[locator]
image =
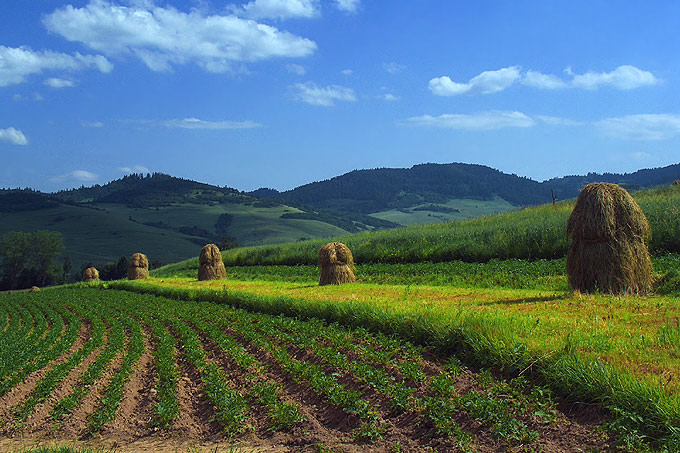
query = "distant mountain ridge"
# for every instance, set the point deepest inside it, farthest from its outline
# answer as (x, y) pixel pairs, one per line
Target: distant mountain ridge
(368, 191)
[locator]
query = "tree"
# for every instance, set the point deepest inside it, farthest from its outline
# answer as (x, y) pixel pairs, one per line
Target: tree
(28, 258)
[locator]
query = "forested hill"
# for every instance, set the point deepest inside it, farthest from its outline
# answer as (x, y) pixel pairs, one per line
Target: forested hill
(369, 191)
(375, 190)
(157, 189)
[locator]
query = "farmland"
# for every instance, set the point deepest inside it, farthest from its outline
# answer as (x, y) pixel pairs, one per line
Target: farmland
(124, 366)
(483, 347)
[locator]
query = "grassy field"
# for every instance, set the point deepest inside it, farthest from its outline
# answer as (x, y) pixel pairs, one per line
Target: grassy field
(106, 232)
(455, 209)
(531, 233)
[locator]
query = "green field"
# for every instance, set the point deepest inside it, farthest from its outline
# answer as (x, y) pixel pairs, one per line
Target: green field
(104, 232)
(454, 209)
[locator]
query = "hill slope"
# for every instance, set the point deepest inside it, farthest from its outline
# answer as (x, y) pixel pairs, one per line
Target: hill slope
(444, 188)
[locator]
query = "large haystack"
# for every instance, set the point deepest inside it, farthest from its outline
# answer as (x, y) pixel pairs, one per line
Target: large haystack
(90, 274)
(210, 262)
(337, 264)
(138, 267)
(608, 251)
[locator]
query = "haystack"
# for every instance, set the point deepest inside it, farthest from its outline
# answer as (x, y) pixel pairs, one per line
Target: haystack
(90, 274)
(337, 264)
(676, 182)
(210, 262)
(138, 267)
(34, 289)
(608, 251)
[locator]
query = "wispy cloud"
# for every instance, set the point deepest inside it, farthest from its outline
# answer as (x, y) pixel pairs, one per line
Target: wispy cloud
(312, 94)
(195, 123)
(485, 83)
(134, 169)
(477, 121)
(55, 82)
(389, 97)
(557, 121)
(652, 126)
(277, 9)
(76, 175)
(295, 69)
(624, 77)
(393, 67)
(92, 124)
(34, 97)
(347, 72)
(351, 6)
(13, 136)
(164, 37)
(16, 64)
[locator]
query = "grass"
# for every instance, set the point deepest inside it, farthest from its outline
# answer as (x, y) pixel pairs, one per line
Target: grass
(531, 233)
(454, 209)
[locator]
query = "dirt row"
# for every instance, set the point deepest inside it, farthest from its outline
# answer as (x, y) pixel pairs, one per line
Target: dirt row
(323, 424)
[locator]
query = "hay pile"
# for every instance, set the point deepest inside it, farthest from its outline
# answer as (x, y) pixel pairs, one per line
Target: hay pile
(138, 267)
(210, 262)
(337, 264)
(90, 274)
(608, 251)
(676, 182)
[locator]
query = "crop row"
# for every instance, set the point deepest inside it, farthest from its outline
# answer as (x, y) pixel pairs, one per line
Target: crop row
(255, 370)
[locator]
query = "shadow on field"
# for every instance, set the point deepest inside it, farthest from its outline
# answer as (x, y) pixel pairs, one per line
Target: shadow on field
(528, 300)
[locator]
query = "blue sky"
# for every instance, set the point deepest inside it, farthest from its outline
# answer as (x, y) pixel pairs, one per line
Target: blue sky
(278, 93)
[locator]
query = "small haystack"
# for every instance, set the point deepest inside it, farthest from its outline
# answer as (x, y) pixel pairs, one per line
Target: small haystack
(34, 289)
(138, 267)
(337, 264)
(90, 274)
(210, 262)
(608, 251)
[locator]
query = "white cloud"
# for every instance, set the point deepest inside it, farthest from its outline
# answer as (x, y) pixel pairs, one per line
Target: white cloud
(390, 97)
(624, 77)
(76, 175)
(134, 169)
(350, 6)
(543, 81)
(477, 121)
(55, 82)
(18, 63)
(347, 72)
(393, 67)
(163, 37)
(485, 83)
(325, 96)
(651, 126)
(278, 9)
(92, 124)
(295, 69)
(13, 136)
(557, 121)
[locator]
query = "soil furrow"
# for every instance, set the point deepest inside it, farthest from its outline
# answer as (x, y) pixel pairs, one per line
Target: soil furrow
(136, 408)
